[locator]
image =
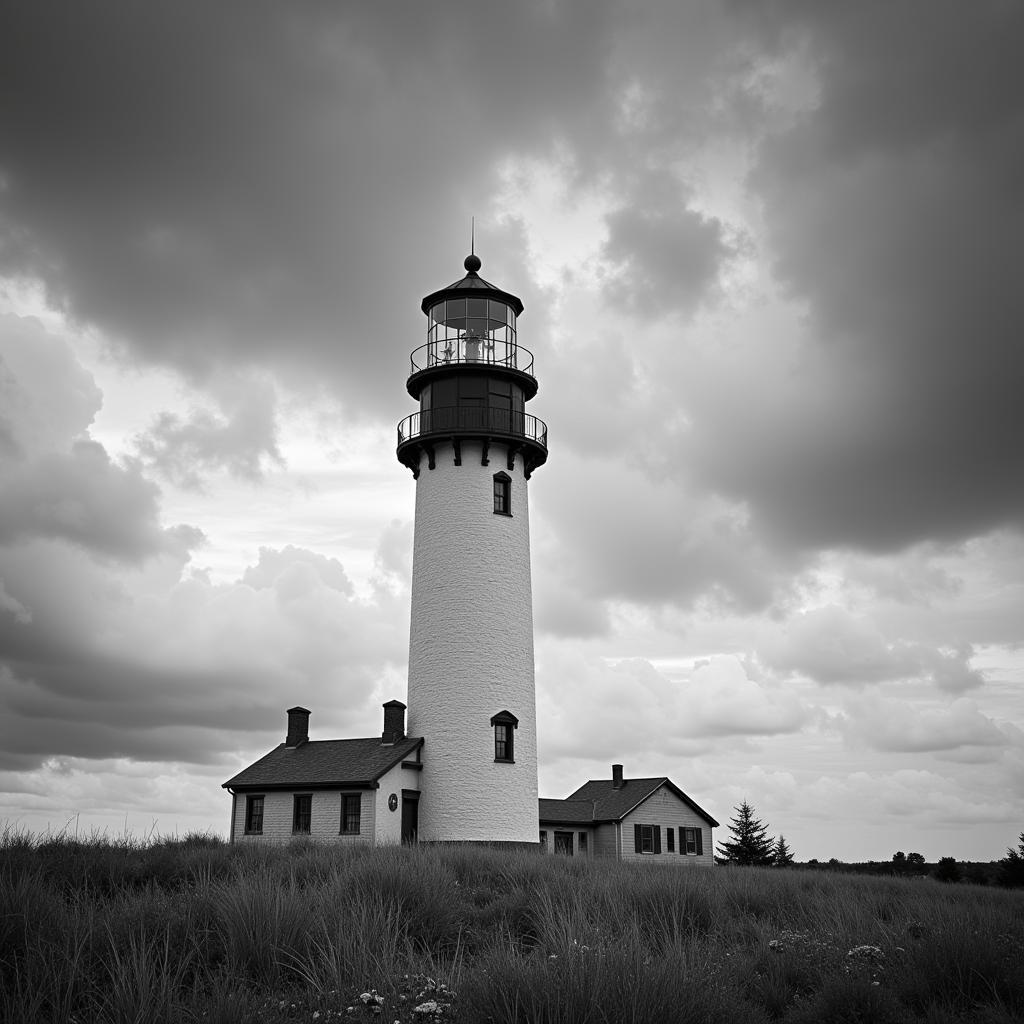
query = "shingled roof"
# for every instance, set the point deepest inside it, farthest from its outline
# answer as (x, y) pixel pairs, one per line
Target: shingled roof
(607, 803)
(324, 764)
(569, 811)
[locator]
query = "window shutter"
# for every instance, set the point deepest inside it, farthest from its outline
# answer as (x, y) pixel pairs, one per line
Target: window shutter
(637, 839)
(657, 838)
(700, 840)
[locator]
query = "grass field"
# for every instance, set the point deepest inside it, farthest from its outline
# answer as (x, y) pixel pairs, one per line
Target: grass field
(194, 930)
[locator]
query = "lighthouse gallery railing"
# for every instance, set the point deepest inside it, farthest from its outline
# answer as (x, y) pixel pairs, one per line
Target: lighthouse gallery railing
(473, 420)
(472, 349)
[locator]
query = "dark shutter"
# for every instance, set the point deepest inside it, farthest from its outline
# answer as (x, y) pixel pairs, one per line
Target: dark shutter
(638, 840)
(699, 832)
(656, 829)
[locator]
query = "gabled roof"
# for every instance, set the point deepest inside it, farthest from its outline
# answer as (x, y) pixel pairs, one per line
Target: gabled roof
(610, 804)
(324, 763)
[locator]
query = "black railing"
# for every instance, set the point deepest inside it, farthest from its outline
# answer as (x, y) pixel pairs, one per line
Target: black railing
(470, 350)
(473, 420)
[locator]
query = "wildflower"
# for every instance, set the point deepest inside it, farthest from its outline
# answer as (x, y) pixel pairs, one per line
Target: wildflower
(429, 1008)
(316, 1015)
(866, 952)
(775, 944)
(371, 997)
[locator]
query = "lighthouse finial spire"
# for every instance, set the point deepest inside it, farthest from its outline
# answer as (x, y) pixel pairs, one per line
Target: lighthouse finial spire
(472, 261)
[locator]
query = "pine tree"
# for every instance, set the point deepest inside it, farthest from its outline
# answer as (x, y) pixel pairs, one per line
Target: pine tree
(750, 843)
(1011, 867)
(782, 855)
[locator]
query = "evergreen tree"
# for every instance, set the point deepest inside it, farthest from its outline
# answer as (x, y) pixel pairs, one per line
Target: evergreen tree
(1011, 867)
(750, 843)
(782, 855)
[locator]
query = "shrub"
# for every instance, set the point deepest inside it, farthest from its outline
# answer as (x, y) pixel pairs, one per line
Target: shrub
(947, 870)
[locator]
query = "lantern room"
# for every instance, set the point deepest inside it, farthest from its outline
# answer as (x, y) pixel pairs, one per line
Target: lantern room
(472, 378)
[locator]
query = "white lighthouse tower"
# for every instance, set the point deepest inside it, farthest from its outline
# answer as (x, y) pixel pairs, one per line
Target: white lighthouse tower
(471, 448)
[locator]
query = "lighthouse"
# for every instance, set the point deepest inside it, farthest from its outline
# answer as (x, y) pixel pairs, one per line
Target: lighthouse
(472, 449)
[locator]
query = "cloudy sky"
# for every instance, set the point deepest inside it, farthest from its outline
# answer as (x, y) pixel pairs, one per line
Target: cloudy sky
(770, 258)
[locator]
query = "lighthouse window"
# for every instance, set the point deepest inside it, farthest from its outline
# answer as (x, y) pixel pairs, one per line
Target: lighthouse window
(502, 494)
(504, 723)
(503, 743)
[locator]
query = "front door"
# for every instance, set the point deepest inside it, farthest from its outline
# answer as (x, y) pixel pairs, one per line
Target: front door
(563, 843)
(410, 818)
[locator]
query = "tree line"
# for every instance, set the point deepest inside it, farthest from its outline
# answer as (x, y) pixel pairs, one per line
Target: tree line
(751, 845)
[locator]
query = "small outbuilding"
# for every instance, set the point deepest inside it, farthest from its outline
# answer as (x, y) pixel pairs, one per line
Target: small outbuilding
(347, 791)
(629, 819)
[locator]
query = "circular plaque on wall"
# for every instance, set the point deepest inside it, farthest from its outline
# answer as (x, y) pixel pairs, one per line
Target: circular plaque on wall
(393, 802)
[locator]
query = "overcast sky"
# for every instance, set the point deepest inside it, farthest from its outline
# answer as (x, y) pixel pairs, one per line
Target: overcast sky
(771, 262)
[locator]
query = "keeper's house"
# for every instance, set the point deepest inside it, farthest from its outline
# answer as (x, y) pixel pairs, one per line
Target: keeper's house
(629, 819)
(347, 791)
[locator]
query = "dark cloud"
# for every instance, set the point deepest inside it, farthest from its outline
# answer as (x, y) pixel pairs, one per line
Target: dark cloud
(58, 483)
(896, 726)
(155, 667)
(667, 256)
(256, 184)
(894, 211)
(619, 535)
(308, 565)
(82, 497)
(832, 645)
(241, 439)
(46, 396)
(108, 648)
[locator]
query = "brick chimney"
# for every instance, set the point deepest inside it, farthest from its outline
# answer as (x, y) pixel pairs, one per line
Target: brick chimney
(394, 722)
(298, 727)
(617, 776)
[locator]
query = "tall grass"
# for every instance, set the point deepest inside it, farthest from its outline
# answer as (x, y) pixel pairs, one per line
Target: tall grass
(189, 930)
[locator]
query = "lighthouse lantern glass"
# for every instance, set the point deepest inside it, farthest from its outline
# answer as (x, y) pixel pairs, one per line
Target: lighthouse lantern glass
(472, 330)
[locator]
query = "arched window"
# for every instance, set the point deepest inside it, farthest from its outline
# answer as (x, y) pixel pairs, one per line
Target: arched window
(505, 724)
(502, 494)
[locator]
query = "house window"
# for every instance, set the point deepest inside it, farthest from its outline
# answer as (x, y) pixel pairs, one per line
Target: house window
(302, 808)
(504, 723)
(563, 843)
(647, 838)
(691, 842)
(581, 843)
(502, 494)
(670, 841)
(254, 815)
(351, 805)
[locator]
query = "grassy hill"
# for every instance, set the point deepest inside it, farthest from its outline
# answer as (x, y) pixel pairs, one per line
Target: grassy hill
(194, 930)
